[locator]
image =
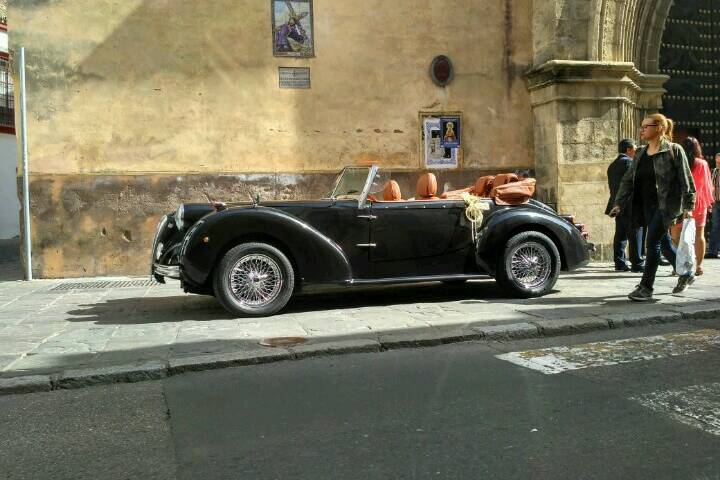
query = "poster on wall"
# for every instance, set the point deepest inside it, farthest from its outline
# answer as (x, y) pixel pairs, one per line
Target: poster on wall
(292, 26)
(450, 128)
(437, 156)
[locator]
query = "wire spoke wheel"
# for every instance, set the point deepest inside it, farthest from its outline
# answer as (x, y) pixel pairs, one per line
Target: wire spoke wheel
(255, 281)
(530, 264)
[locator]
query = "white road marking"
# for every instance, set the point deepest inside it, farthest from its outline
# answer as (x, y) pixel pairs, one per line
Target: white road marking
(696, 405)
(562, 359)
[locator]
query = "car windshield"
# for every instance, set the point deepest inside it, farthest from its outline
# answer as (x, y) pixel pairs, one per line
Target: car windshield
(350, 183)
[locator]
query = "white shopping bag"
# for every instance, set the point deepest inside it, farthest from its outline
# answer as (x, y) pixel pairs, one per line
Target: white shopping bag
(685, 262)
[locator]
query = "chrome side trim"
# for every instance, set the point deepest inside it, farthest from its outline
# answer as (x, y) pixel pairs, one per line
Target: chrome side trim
(366, 245)
(400, 280)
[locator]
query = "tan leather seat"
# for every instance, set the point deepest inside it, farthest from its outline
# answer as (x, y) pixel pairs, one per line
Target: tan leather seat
(391, 192)
(455, 194)
(426, 187)
(515, 193)
(502, 179)
(483, 186)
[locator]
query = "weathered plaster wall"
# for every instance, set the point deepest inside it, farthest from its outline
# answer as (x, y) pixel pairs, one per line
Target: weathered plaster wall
(164, 86)
(134, 104)
(104, 224)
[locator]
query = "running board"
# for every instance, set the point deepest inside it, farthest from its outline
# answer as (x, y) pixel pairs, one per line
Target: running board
(434, 278)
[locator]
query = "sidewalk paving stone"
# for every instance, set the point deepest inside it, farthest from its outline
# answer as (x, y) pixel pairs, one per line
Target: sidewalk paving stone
(107, 335)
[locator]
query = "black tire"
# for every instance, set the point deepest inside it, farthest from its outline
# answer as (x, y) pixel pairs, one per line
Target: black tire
(268, 262)
(544, 266)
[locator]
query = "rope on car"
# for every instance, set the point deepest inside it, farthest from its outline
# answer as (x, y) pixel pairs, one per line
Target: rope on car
(474, 212)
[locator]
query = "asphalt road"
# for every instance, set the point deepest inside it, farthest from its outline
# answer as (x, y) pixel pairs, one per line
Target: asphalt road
(451, 412)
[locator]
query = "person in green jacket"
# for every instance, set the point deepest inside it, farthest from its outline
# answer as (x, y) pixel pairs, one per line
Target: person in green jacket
(658, 190)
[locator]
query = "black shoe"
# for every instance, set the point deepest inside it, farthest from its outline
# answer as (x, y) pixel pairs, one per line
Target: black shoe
(663, 262)
(622, 268)
(641, 294)
(638, 269)
(683, 283)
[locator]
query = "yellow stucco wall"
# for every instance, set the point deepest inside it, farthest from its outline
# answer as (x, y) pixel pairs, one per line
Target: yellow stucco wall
(166, 86)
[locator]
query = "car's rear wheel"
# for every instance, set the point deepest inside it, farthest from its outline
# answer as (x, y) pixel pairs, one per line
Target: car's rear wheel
(254, 280)
(529, 266)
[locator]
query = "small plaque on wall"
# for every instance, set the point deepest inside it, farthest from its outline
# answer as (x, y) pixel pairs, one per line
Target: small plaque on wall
(294, 77)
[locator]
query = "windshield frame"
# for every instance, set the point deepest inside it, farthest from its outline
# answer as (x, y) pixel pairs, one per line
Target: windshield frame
(371, 173)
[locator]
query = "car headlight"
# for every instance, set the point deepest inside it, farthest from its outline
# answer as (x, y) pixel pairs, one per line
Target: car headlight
(179, 221)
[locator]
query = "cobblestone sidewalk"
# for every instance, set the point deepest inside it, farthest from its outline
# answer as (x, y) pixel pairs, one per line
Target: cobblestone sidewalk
(126, 329)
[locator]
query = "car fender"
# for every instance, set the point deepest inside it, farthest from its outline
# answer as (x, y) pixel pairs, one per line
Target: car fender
(317, 258)
(502, 224)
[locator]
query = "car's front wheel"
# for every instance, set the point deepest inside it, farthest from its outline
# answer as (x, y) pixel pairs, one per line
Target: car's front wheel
(529, 266)
(254, 280)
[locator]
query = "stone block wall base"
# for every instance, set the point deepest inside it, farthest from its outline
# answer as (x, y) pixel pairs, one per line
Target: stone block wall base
(97, 225)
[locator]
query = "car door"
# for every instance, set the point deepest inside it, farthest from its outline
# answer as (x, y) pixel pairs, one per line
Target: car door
(419, 238)
(345, 222)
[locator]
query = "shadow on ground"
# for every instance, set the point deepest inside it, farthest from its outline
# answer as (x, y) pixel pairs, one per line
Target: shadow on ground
(145, 310)
(10, 267)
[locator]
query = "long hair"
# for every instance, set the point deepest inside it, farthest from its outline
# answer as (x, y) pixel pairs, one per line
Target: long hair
(665, 124)
(692, 149)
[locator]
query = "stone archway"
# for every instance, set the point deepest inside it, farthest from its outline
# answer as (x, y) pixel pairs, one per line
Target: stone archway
(595, 75)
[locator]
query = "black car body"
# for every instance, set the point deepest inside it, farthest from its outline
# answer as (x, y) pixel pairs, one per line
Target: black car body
(254, 256)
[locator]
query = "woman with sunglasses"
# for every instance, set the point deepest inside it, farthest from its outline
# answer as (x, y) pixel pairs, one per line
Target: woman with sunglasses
(659, 191)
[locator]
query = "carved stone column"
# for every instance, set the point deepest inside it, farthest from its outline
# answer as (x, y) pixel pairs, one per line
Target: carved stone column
(581, 110)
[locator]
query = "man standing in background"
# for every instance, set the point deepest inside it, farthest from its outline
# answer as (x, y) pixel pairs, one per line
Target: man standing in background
(624, 232)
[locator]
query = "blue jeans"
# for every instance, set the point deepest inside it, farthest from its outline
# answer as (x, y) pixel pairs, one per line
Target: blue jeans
(624, 233)
(658, 239)
(714, 244)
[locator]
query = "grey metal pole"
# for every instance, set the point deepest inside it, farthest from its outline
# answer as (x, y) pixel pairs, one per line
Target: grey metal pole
(26, 181)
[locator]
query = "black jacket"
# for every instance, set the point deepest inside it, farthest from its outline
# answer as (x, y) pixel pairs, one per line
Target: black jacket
(615, 173)
(675, 185)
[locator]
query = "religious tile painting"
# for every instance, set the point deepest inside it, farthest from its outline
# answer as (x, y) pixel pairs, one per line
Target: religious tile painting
(450, 128)
(292, 26)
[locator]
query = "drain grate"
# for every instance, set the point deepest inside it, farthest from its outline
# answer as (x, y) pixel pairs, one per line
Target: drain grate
(103, 285)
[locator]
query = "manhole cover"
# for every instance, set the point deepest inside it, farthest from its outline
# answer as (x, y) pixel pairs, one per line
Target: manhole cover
(103, 284)
(283, 341)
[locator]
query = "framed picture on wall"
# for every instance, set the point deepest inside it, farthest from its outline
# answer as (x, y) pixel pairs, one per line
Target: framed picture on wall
(437, 156)
(292, 28)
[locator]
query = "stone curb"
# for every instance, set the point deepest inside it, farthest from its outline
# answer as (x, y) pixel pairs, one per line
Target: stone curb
(155, 370)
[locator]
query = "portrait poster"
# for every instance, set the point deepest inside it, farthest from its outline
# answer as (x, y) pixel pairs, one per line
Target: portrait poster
(450, 128)
(437, 156)
(292, 28)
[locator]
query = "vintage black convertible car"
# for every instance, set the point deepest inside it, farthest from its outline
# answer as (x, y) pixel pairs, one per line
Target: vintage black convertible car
(252, 257)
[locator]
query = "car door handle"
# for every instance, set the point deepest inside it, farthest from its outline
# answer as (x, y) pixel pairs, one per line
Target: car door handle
(369, 217)
(366, 245)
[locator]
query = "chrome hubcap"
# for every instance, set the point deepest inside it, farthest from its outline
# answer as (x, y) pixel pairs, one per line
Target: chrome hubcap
(256, 281)
(531, 264)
